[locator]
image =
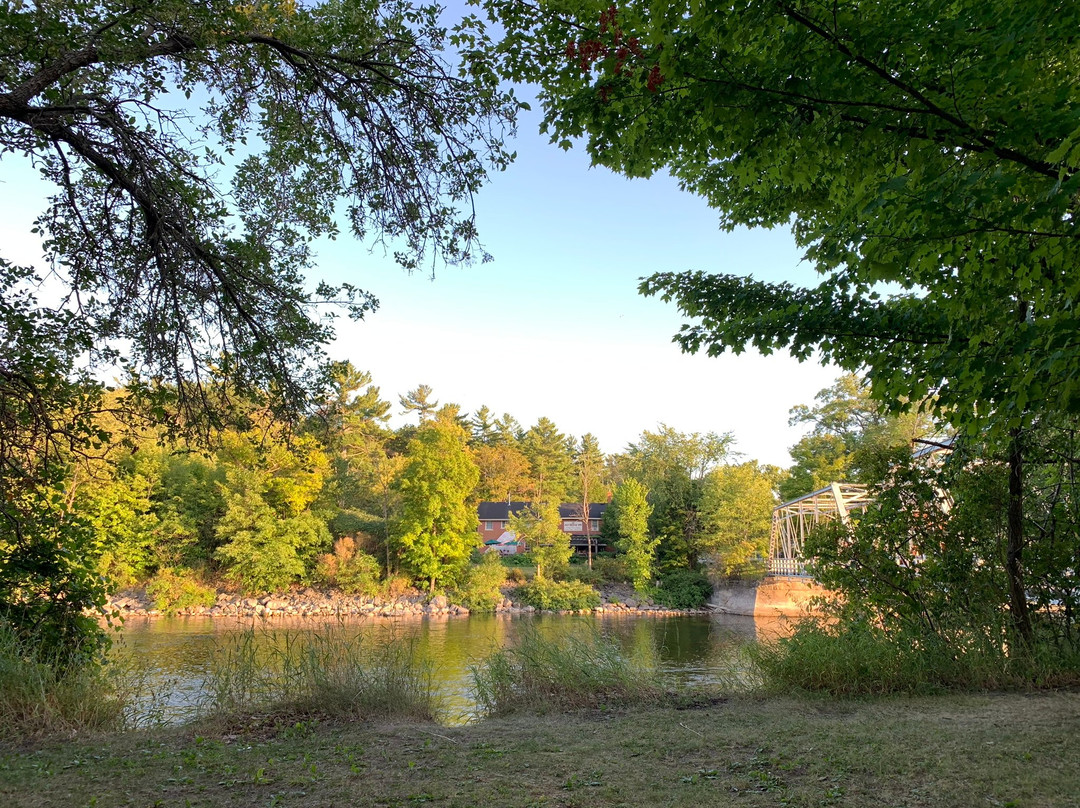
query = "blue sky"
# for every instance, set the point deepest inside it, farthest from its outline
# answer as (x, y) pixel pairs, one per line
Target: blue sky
(554, 325)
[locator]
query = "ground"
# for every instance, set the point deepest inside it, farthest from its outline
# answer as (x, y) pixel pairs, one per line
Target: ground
(975, 750)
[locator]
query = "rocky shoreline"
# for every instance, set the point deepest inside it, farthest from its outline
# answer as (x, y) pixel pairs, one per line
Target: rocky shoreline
(314, 603)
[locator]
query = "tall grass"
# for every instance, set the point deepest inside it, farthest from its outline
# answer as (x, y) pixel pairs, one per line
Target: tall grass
(541, 674)
(40, 697)
(327, 675)
(856, 658)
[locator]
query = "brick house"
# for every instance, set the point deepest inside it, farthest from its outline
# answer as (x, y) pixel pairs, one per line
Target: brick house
(495, 532)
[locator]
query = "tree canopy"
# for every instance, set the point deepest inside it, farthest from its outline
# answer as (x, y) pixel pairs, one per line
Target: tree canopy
(933, 146)
(197, 149)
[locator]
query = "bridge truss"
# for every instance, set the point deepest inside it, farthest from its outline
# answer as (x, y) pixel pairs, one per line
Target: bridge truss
(793, 520)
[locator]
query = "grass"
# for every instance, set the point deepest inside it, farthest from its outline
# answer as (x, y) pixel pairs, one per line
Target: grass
(943, 752)
(299, 676)
(567, 672)
(39, 698)
(854, 659)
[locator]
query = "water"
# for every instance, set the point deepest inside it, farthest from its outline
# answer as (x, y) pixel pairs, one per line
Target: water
(687, 650)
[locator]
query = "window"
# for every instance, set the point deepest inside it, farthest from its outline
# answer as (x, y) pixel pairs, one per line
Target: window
(488, 525)
(594, 524)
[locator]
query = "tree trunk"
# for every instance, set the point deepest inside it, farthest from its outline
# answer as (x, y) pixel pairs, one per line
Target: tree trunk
(1015, 540)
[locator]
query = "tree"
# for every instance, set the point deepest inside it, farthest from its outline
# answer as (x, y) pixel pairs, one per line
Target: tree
(484, 431)
(350, 416)
(508, 432)
(850, 429)
(312, 109)
(419, 401)
(550, 455)
(504, 473)
(348, 100)
(539, 525)
(268, 536)
(930, 147)
(670, 466)
(736, 516)
(629, 514)
(437, 528)
(589, 483)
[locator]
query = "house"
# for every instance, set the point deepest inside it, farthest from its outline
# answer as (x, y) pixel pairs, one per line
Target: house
(495, 526)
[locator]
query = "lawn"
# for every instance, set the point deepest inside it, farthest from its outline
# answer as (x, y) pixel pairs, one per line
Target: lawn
(969, 750)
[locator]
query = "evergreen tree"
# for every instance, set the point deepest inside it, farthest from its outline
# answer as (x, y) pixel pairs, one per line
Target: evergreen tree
(419, 401)
(550, 455)
(484, 429)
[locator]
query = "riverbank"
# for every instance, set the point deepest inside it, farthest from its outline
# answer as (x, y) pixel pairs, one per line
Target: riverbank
(310, 602)
(965, 750)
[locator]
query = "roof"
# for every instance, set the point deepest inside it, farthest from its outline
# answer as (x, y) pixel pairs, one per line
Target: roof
(490, 511)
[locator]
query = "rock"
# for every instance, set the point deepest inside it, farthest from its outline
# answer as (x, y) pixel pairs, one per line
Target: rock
(439, 602)
(276, 605)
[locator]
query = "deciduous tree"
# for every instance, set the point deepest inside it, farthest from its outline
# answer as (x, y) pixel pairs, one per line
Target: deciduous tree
(629, 514)
(935, 147)
(437, 528)
(736, 516)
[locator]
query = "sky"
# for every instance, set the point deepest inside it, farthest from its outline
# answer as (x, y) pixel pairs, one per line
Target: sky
(554, 326)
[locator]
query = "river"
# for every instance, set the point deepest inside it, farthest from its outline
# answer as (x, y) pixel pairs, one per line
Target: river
(175, 653)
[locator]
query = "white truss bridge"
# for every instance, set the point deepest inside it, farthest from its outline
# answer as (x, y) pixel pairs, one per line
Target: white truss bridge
(793, 520)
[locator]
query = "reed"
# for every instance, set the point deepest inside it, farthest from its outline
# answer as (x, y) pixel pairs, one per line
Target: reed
(327, 675)
(581, 671)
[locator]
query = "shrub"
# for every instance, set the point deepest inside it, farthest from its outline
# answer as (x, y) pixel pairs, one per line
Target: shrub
(612, 570)
(684, 589)
(560, 595)
(519, 560)
(480, 591)
(397, 585)
(565, 673)
(582, 573)
(516, 575)
(350, 569)
(175, 589)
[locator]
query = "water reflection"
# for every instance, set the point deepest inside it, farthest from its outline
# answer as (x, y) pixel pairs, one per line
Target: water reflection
(689, 650)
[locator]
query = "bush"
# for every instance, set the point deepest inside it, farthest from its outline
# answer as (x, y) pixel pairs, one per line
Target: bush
(560, 595)
(173, 590)
(580, 572)
(565, 673)
(480, 591)
(397, 585)
(519, 560)
(516, 575)
(612, 570)
(348, 568)
(684, 589)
